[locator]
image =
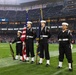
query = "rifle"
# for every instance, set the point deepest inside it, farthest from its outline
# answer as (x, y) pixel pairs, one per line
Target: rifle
(37, 54)
(12, 51)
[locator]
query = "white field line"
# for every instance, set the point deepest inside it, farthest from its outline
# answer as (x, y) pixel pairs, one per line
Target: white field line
(56, 53)
(5, 62)
(57, 73)
(4, 46)
(7, 70)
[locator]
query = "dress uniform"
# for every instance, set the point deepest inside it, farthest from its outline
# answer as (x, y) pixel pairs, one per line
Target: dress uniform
(44, 36)
(30, 36)
(18, 45)
(65, 38)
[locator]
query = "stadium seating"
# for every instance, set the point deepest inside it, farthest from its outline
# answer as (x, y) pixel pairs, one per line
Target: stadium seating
(34, 14)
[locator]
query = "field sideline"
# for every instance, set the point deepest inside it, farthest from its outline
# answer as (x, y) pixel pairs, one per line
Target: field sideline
(8, 66)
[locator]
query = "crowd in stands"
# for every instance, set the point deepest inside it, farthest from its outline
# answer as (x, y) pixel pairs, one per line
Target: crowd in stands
(5, 38)
(33, 15)
(10, 37)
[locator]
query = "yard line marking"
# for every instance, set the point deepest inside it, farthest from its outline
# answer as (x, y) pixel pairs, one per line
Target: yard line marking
(5, 62)
(6, 70)
(56, 53)
(56, 73)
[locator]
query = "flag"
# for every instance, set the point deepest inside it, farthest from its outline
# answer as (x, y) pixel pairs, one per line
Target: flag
(12, 52)
(38, 35)
(39, 30)
(23, 38)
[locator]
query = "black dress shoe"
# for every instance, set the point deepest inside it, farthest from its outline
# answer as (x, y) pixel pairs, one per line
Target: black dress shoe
(32, 62)
(21, 60)
(70, 70)
(26, 60)
(47, 65)
(39, 63)
(59, 67)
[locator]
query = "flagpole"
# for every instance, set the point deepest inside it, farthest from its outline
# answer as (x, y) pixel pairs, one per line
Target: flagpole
(41, 12)
(38, 37)
(48, 21)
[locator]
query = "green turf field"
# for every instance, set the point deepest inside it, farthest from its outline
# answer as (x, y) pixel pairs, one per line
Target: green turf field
(16, 67)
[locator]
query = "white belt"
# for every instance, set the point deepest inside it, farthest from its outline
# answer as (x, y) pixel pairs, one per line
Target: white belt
(18, 42)
(63, 39)
(29, 36)
(43, 36)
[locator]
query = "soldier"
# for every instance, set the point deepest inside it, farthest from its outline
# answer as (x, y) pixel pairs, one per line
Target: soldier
(18, 45)
(30, 36)
(44, 36)
(65, 38)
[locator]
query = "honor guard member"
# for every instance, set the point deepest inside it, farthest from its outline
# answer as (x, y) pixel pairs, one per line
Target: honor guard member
(30, 36)
(65, 38)
(44, 36)
(18, 45)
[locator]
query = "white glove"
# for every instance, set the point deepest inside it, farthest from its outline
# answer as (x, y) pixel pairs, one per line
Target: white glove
(71, 46)
(10, 43)
(37, 43)
(23, 43)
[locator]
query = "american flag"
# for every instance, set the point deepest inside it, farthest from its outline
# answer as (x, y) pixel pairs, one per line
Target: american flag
(23, 38)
